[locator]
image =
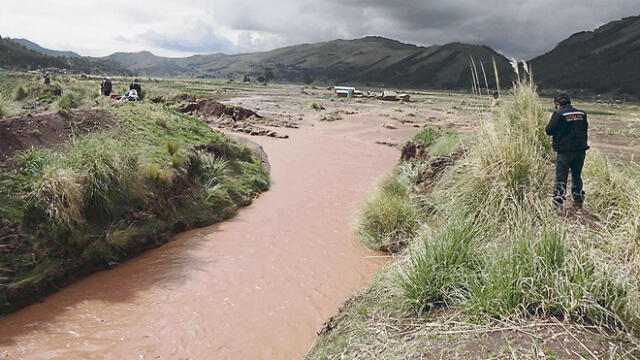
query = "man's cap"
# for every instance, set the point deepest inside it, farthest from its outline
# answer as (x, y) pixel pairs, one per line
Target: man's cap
(562, 99)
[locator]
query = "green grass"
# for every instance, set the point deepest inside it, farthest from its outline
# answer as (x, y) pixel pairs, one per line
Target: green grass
(19, 93)
(108, 195)
(388, 220)
(487, 245)
(316, 106)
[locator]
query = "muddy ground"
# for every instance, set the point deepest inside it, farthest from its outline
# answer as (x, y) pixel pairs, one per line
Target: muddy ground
(46, 130)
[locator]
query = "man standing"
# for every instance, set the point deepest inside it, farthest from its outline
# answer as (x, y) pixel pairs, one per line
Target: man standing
(568, 127)
(135, 85)
(106, 87)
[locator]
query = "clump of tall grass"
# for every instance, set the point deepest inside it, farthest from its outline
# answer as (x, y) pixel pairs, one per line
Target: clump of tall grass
(499, 249)
(67, 102)
(333, 116)
(428, 136)
(506, 170)
(389, 220)
(19, 93)
(613, 194)
(441, 272)
(59, 192)
(316, 106)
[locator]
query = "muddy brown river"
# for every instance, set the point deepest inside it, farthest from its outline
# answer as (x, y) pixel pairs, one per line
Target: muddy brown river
(256, 287)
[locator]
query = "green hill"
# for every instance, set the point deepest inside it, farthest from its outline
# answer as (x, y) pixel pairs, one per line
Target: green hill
(603, 61)
(15, 56)
(370, 60)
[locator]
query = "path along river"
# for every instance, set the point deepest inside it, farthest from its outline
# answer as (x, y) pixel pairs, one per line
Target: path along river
(256, 287)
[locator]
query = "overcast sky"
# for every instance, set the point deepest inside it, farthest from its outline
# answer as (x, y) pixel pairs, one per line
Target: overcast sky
(523, 28)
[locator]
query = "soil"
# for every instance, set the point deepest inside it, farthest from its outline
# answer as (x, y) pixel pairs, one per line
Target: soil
(47, 130)
(246, 121)
(209, 108)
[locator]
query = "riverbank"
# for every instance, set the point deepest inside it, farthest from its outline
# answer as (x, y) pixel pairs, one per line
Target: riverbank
(85, 188)
(484, 265)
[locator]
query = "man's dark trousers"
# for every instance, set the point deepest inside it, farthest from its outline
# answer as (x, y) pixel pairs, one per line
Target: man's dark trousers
(565, 162)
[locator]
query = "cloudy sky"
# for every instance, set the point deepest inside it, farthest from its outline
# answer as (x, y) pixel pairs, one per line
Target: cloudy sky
(520, 28)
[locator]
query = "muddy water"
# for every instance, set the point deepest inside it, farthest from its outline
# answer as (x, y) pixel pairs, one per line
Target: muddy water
(256, 287)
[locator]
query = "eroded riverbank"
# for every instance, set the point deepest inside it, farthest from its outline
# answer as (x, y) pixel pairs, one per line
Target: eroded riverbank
(257, 286)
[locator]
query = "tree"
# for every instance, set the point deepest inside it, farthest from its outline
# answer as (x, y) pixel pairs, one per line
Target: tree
(268, 74)
(246, 79)
(261, 79)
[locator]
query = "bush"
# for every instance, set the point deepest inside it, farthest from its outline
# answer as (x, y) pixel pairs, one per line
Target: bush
(19, 93)
(317, 106)
(428, 136)
(388, 222)
(67, 102)
(334, 116)
(3, 110)
(441, 273)
(60, 193)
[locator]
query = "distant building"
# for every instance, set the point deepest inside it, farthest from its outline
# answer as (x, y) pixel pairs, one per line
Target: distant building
(404, 97)
(344, 91)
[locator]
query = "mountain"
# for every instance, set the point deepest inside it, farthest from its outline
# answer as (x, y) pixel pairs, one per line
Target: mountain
(35, 47)
(606, 60)
(370, 60)
(16, 56)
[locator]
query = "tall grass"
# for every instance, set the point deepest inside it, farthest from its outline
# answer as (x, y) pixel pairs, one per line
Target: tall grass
(19, 93)
(497, 248)
(107, 195)
(388, 220)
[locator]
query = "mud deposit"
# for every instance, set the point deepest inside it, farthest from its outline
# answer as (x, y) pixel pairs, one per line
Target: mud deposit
(257, 287)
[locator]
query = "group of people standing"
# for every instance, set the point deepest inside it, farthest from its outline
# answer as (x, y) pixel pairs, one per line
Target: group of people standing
(134, 93)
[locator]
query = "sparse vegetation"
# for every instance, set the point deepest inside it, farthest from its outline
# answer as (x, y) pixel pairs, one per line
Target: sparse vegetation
(316, 106)
(332, 116)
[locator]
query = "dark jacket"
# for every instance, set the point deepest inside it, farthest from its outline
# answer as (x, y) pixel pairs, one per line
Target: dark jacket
(136, 86)
(569, 128)
(106, 87)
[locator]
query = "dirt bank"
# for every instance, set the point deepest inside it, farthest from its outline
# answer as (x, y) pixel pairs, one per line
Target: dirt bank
(256, 287)
(47, 130)
(246, 121)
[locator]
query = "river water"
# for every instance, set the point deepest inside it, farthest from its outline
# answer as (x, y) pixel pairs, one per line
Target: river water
(258, 286)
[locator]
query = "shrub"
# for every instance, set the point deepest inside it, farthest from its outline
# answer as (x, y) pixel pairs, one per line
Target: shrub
(334, 116)
(19, 93)
(317, 106)
(427, 136)
(388, 222)
(60, 193)
(67, 102)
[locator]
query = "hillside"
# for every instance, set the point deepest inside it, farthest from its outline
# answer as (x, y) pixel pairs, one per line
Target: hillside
(15, 56)
(370, 60)
(35, 47)
(604, 60)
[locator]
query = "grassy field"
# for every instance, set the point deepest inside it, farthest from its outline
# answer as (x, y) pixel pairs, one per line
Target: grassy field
(105, 193)
(483, 265)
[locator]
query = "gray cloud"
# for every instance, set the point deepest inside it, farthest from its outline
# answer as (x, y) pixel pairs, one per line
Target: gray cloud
(522, 28)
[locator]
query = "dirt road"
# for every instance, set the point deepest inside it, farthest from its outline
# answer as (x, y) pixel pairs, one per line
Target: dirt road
(256, 287)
